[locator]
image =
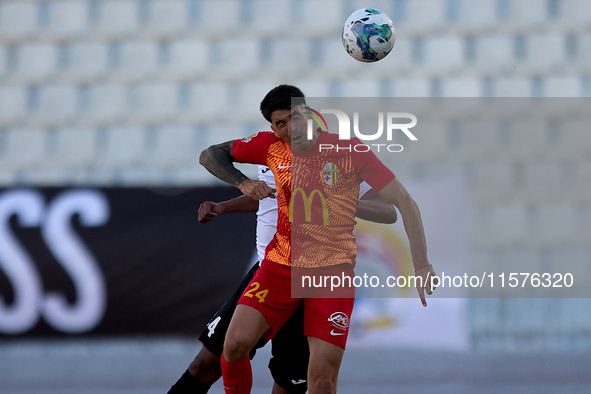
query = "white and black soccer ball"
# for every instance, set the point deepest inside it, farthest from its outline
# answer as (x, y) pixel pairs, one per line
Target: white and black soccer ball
(368, 35)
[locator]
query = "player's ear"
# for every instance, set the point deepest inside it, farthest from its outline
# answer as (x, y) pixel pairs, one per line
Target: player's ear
(274, 129)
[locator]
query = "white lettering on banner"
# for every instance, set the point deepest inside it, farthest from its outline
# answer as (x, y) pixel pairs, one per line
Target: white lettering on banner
(91, 293)
(29, 299)
(16, 264)
(345, 125)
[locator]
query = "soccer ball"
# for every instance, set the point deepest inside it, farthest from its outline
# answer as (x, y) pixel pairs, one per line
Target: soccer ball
(368, 35)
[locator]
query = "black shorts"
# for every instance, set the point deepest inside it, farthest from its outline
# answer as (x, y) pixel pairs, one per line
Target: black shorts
(289, 347)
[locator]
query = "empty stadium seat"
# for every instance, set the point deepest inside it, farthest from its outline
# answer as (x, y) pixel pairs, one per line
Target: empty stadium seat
(175, 147)
(491, 177)
(545, 52)
(581, 177)
(313, 88)
(250, 95)
(513, 87)
(107, 104)
(335, 62)
(318, 18)
(527, 140)
(443, 55)
(25, 149)
(461, 87)
(168, 17)
(125, 148)
(75, 150)
(246, 50)
(385, 6)
(117, 18)
(289, 57)
(36, 62)
(219, 17)
(3, 60)
(475, 141)
(574, 143)
(17, 20)
(411, 87)
(554, 225)
(188, 59)
(423, 16)
(584, 60)
(157, 103)
(208, 102)
(507, 225)
(360, 88)
(57, 104)
(66, 19)
(494, 53)
(477, 15)
(264, 27)
(13, 101)
(525, 15)
(575, 15)
(88, 61)
(138, 61)
(542, 183)
(563, 87)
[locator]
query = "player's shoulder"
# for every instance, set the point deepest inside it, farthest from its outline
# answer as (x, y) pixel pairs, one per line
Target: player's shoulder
(260, 136)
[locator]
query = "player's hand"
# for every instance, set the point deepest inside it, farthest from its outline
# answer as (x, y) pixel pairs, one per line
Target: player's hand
(256, 190)
(428, 282)
(209, 210)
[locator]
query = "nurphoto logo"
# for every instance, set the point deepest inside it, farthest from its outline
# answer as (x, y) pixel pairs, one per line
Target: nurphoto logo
(393, 123)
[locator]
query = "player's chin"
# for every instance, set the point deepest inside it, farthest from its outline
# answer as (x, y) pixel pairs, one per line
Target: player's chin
(299, 143)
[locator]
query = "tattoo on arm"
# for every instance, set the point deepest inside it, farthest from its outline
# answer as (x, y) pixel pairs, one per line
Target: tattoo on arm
(218, 160)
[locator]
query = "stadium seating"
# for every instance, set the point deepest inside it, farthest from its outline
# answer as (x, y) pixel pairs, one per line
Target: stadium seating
(494, 54)
(188, 60)
(65, 19)
(157, 103)
(13, 101)
(126, 92)
(107, 104)
(264, 27)
(18, 19)
(575, 15)
(116, 19)
(475, 16)
(36, 62)
(134, 61)
(57, 105)
(88, 62)
(167, 18)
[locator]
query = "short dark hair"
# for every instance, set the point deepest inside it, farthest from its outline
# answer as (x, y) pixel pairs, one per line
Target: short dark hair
(280, 97)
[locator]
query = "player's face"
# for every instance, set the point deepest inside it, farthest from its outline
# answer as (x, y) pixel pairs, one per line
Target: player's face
(281, 124)
(291, 126)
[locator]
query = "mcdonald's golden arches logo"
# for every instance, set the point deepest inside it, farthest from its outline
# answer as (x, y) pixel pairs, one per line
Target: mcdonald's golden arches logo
(308, 200)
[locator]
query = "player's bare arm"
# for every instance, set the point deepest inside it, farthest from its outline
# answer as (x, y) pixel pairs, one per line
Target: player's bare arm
(397, 195)
(374, 208)
(209, 209)
(218, 160)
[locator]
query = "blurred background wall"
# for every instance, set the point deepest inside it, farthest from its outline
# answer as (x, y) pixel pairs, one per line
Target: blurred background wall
(127, 93)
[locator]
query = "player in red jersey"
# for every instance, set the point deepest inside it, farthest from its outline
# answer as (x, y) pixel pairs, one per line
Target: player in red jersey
(267, 303)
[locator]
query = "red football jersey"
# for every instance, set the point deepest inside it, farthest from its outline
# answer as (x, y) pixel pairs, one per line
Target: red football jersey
(317, 196)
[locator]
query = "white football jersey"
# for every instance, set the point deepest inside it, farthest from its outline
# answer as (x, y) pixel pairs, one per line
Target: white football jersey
(267, 213)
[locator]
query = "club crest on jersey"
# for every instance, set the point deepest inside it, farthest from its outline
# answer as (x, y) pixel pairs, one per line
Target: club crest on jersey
(330, 174)
(247, 139)
(339, 320)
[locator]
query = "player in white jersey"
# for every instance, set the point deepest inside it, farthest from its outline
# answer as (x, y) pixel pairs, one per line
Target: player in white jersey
(290, 353)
